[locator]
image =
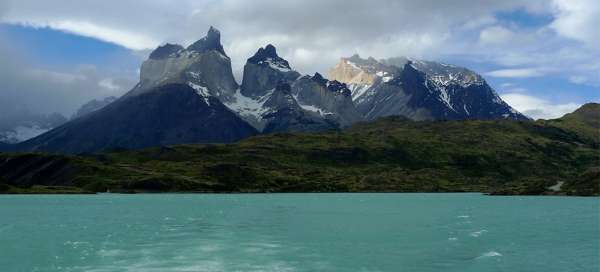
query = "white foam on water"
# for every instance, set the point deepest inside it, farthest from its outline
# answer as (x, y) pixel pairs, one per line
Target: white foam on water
(477, 233)
(490, 254)
(463, 216)
(452, 239)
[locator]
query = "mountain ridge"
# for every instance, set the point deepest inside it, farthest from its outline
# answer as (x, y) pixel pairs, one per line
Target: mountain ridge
(414, 89)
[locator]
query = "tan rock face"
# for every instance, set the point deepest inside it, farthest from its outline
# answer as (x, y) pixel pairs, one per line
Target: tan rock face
(346, 72)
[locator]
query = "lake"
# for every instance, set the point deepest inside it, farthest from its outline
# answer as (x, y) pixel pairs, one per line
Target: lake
(298, 232)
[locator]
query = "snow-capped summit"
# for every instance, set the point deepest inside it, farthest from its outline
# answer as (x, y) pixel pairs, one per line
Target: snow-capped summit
(420, 90)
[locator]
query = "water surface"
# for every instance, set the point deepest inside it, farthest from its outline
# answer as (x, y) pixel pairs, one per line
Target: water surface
(299, 232)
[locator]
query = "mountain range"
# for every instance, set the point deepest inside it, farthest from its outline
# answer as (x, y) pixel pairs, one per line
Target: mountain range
(189, 95)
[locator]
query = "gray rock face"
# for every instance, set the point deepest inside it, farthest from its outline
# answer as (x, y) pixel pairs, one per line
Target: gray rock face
(330, 99)
(203, 65)
(420, 90)
(92, 106)
(264, 71)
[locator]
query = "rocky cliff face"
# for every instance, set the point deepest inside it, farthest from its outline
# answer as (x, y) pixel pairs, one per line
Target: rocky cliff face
(420, 90)
(203, 65)
(264, 71)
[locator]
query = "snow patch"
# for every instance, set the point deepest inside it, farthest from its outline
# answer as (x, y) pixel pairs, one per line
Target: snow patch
(201, 91)
(277, 65)
(247, 106)
(313, 108)
(358, 90)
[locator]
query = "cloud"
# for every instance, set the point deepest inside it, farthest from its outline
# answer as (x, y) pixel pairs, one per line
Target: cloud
(312, 34)
(516, 73)
(538, 108)
(127, 39)
(27, 87)
(495, 35)
(578, 79)
(579, 20)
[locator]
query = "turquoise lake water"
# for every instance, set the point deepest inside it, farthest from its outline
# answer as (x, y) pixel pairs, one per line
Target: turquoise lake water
(299, 232)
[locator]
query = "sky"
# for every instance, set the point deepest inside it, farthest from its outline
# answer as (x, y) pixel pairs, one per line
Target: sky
(541, 56)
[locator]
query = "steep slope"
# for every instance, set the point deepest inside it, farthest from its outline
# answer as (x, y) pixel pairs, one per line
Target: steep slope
(419, 90)
(169, 114)
(391, 154)
(178, 100)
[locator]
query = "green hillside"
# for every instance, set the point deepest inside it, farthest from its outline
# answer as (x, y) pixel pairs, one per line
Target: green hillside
(389, 155)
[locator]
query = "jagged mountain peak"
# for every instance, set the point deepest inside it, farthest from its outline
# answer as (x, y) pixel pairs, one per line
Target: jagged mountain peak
(264, 71)
(212, 41)
(264, 53)
(267, 56)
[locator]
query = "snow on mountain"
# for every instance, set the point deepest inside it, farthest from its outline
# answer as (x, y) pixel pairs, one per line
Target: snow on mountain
(426, 90)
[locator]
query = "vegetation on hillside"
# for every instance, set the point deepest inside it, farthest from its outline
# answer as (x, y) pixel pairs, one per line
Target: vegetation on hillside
(389, 155)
